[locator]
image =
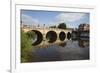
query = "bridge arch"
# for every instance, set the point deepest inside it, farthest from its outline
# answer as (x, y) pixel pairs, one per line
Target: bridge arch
(62, 35)
(38, 37)
(68, 35)
(51, 36)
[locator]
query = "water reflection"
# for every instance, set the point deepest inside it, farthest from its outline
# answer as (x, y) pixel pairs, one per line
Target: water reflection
(75, 49)
(82, 42)
(63, 44)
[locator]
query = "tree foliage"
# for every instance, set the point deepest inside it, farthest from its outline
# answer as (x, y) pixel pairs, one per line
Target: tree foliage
(31, 34)
(26, 45)
(62, 26)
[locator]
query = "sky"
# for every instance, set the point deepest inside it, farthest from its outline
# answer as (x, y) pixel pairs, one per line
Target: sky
(49, 18)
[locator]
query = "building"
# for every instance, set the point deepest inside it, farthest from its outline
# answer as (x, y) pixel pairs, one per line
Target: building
(84, 30)
(84, 27)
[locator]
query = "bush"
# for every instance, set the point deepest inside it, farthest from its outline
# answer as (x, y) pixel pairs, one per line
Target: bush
(26, 45)
(31, 34)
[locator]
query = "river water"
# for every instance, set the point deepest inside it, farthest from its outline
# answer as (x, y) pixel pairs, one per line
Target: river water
(74, 49)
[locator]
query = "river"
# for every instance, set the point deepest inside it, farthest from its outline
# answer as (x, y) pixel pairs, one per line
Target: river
(74, 49)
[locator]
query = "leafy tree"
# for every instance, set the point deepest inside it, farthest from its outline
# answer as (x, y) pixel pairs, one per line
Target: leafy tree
(62, 26)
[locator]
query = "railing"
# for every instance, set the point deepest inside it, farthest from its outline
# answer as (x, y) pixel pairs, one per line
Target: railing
(43, 28)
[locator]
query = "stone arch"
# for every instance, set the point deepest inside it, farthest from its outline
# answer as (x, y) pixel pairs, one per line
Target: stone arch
(68, 35)
(39, 37)
(51, 36)
(62, 35)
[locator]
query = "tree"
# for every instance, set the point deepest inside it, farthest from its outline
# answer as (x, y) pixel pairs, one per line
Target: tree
(62, 26)
(26, 45)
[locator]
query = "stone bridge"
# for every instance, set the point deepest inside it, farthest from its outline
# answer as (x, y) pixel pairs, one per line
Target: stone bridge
(50, 35)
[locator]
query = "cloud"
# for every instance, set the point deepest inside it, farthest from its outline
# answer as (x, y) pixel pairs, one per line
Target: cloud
(28, 20)
(69, 17)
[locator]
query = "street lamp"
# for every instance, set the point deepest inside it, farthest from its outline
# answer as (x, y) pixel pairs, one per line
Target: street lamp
(44, 28)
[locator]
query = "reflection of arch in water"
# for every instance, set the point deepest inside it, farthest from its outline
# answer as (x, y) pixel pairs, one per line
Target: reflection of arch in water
(68, 35)
(63, 44)
(39, 37)
(62, 36)
(51, 36)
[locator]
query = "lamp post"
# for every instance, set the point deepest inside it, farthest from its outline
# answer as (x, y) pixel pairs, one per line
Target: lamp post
(44, 29)
(43, 35)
